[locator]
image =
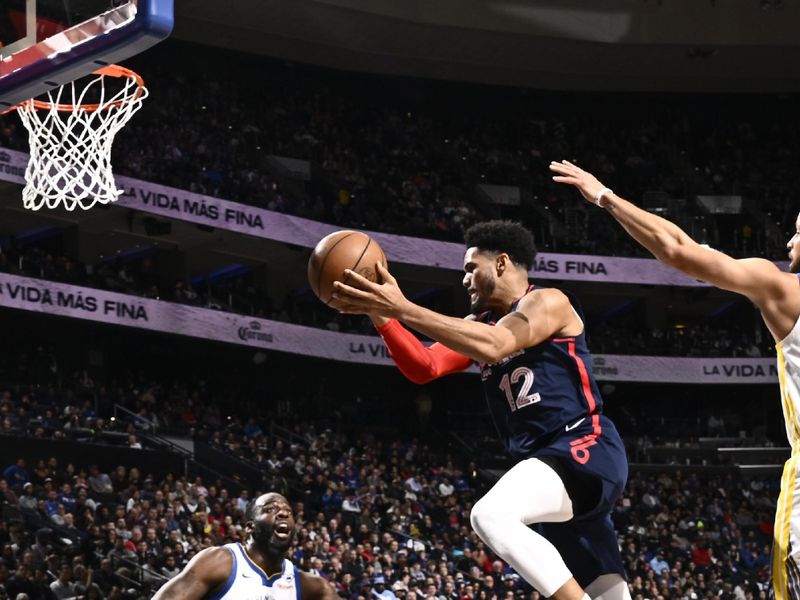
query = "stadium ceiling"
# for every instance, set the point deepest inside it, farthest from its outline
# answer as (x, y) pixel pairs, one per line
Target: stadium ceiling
(620, 45)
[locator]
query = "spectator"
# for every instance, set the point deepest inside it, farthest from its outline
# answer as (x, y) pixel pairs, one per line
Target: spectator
(51, 503)
(16, 475)
(21, 582)
(445, 488)
(67, 498)
(243, 500)
(105, 578)
(28, 500)
(64, 587)
(658, 564)
(379, 589)
(7, 495)
(100, 483)
(120, 553)
(170, 568)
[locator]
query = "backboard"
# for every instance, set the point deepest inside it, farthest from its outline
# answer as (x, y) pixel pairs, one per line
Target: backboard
(46, 43)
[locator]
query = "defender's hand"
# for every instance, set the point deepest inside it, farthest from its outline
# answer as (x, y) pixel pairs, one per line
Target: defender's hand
(385, 299)
(587, 184)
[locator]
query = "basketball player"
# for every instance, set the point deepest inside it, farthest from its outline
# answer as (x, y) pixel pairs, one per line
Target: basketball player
(775, 293)
(255, 570)
(529, 343)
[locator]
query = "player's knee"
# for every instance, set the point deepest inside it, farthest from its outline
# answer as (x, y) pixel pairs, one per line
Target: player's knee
(485, 519)
(476, 516)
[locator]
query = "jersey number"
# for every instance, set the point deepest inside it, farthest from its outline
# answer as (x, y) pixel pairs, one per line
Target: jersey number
(523, 397)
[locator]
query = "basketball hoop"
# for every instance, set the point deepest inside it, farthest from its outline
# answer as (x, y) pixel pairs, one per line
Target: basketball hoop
(70, 139)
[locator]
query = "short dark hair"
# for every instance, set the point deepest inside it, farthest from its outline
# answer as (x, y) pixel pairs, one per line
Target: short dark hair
(503, 236)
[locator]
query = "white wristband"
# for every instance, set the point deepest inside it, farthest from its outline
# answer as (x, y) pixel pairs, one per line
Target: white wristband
(600, 194)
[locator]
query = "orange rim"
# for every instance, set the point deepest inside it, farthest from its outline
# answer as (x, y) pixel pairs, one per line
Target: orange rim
(107, 71)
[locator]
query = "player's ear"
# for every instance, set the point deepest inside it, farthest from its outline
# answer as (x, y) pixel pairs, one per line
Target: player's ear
(502, 262)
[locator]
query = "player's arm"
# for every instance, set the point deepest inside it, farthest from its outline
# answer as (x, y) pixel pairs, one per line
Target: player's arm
(758, 279)
(419, 363)
(479, 341)
(540, 315)
(206, 572)
(316, 588)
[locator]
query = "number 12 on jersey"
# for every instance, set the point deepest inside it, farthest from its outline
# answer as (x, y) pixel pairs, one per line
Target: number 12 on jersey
(523, 397)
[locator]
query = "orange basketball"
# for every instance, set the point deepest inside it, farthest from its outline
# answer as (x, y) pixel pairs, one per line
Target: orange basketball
(338, 251)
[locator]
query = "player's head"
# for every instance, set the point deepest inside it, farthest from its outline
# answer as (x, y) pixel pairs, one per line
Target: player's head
(495, 249)
(270, 522)
(794, 248)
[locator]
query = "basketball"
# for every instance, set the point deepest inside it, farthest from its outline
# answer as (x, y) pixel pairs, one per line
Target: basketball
(339, 251)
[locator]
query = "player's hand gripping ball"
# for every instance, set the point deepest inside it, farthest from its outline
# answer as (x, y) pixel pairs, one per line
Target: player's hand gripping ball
(338, 251)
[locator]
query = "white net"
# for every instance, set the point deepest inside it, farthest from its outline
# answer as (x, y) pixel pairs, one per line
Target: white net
(71, 136)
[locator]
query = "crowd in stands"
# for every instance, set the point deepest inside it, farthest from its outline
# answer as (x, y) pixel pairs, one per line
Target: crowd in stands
(378, 513)
(383, 506)
(51, 391)
(712, 532)
(393, 155)
(373, 515)
(695, 340)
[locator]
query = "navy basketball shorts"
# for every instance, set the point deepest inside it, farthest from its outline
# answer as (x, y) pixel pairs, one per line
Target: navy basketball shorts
(591, 461)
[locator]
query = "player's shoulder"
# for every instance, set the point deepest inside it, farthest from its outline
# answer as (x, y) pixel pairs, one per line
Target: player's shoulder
(214, 563)
(777, 289)
(770, 278)
(215, 552)
(789, 281)
(544, 298)
(761, 263)
(207, 572)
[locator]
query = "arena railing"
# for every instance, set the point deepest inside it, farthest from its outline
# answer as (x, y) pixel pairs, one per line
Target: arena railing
(138, 420)
(138, 583)
(287, 436)
(250, 472)
(189, 459)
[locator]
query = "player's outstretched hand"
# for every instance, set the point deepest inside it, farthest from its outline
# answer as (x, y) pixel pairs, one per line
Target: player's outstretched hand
(587, 184)
(366, 297)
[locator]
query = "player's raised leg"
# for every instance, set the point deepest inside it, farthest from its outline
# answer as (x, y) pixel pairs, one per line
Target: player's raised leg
(530, 492)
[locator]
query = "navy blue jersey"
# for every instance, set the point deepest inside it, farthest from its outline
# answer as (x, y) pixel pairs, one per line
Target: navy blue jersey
(542, 393)
(545, 404)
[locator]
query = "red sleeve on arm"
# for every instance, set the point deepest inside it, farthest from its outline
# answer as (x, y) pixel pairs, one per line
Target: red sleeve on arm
(415, 361)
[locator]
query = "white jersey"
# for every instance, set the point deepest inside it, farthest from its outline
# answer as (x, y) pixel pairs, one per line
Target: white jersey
(789, 377)
(786, 547)
(248, 581)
